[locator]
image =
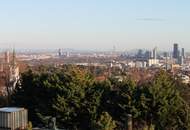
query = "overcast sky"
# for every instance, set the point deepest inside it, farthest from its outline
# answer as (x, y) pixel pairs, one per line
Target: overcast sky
(94, 24)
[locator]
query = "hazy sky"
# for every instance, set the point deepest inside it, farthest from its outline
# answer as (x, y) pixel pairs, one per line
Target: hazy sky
(94, 24)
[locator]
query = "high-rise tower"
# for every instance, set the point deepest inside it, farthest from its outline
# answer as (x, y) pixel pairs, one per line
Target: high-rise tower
(154, 53)
(59, 53)
(175, 51)
(183, 52)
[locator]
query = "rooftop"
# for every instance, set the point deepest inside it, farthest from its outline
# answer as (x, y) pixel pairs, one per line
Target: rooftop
(10, 109)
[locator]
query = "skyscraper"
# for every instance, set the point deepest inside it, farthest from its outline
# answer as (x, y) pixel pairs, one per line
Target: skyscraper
(155, 53)
(148, 54)
(59, 53)
(180, 60)
(140, 53)
(175, 51)
(183, 52)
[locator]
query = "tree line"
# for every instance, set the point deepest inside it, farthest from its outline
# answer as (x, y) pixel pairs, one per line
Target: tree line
(79, 102)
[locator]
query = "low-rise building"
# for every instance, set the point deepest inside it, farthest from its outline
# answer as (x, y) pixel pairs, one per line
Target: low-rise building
(12, 118)
(153, 62)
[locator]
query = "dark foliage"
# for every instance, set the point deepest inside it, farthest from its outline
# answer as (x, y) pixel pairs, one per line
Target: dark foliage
(79, 102)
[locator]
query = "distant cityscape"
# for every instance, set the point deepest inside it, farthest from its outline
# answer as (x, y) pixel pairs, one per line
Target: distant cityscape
(141, 65)
(177, 61)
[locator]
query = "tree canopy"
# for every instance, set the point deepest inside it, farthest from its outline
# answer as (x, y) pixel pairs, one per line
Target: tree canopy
(78, 101)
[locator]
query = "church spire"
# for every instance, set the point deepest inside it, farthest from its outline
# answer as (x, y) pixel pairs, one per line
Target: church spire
(14, 57)
(7, 58)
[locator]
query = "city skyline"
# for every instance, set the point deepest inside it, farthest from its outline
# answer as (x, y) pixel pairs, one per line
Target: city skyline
(94, 25)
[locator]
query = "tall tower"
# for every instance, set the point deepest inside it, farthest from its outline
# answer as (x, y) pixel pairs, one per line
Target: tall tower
(59, 53)
(183, 52)
(180, 60)
(175, 51)
(14, 70)
(14, 58)
(7, 57)
(155, 53)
